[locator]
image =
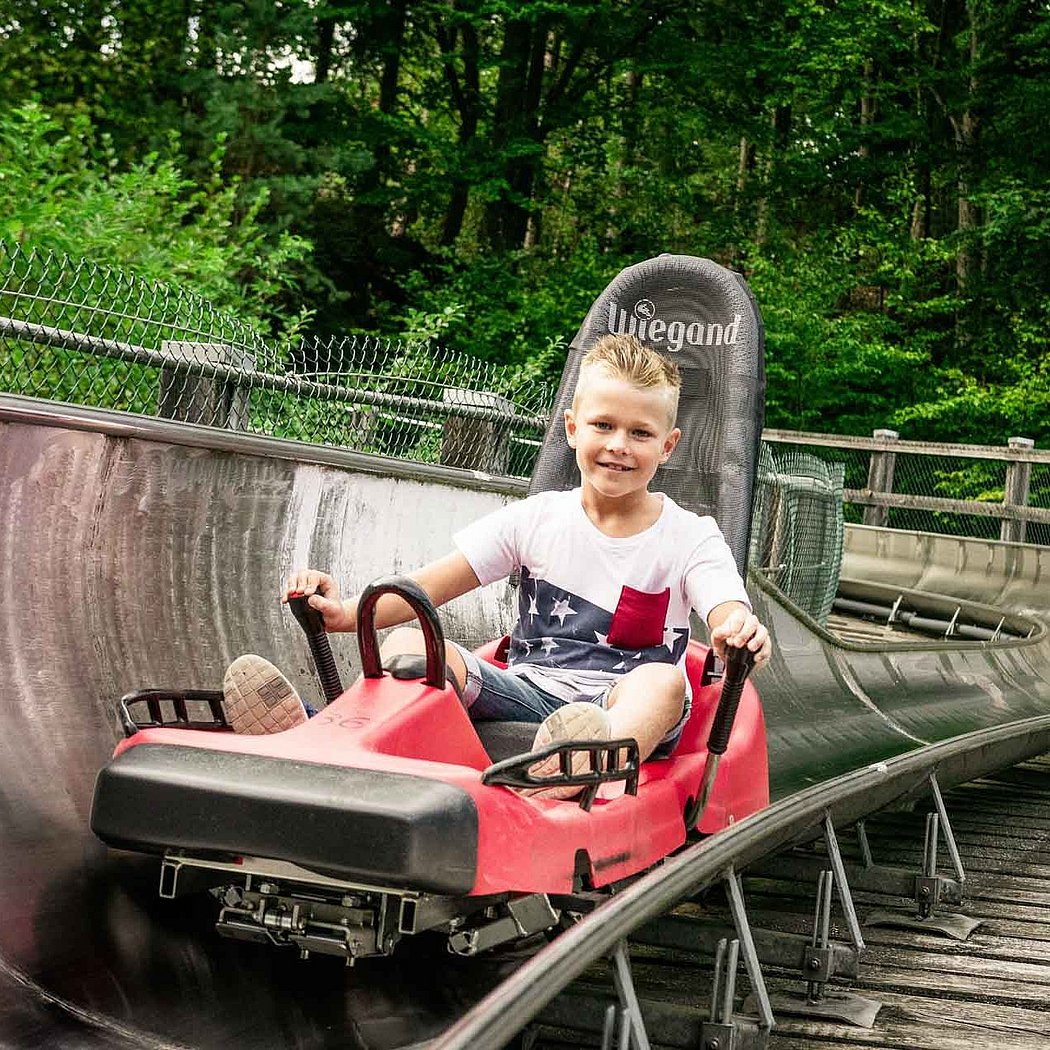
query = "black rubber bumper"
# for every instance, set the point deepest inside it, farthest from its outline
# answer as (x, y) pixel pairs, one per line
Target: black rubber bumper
(378, 828)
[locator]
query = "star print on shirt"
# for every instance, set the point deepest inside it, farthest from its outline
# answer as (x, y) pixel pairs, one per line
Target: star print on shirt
(671, 636)
(582, 640)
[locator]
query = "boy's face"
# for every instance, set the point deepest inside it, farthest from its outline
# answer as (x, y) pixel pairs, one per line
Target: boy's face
(621, 433)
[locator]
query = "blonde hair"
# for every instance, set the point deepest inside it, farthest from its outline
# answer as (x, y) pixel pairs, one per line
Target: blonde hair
(624, 357)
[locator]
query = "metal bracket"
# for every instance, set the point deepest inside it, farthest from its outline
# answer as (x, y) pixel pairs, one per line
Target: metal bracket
(817, 957)
(865, 847)
(818, 1002)
(928, 885)
(845, 897)
(747, 945)
(724, 1030)
(525, 916)
(930, 889)
(624, 1027)
(946, 827)
(426, 912)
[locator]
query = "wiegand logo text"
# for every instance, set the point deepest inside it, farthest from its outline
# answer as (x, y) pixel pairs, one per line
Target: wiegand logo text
(642, 322)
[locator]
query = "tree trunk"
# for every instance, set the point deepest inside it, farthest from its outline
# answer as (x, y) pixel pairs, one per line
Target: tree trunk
(745, 162)
(207, 46)
(325, 43)
(867, 119)
(466, 92)
(626, 154)
(967, 128)
(515, 130)
(389, 28)
(781, 124)
(919, 229)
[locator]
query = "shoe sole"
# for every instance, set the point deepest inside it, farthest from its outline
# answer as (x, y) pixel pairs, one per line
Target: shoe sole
(579, 721)
(259, 699)
(575, 721)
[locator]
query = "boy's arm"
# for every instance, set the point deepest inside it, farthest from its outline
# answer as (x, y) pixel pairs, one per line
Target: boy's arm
(734, 624)
(443, 580)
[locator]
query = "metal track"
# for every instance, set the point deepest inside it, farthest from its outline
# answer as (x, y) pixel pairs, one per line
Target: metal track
(502, 1015)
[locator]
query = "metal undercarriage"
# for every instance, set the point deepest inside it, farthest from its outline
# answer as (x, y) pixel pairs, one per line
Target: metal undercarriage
(281, 904)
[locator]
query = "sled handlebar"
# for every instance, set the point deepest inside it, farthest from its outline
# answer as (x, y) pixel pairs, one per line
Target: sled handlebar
(434, 638)
(739, 661)
(312, 623)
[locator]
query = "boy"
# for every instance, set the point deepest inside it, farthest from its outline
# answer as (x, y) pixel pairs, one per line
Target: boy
(609, 572)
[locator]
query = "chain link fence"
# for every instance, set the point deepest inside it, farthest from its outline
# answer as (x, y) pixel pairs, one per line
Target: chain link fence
(86, 334)
(956, 477)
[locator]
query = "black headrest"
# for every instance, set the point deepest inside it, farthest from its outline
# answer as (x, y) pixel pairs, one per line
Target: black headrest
(705, 317)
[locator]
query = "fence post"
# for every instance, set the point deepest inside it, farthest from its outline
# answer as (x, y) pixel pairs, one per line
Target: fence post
(1015, 491)
(474, 443)
(209, 400)
(880, 476)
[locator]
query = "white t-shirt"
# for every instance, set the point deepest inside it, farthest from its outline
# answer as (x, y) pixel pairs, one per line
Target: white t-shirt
(591, 607)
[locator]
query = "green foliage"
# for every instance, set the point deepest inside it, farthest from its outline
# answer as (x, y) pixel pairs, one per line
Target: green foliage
(512, 307)
(1018, 405)
(62, 190)
(65, 375)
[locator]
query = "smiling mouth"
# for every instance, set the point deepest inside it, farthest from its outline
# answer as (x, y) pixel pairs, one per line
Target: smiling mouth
(620, 469)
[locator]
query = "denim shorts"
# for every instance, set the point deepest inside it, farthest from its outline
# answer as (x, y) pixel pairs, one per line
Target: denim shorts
(491, 694)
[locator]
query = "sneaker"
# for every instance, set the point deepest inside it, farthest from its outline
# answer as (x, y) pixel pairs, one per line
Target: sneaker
(579, 721)
(258, 698)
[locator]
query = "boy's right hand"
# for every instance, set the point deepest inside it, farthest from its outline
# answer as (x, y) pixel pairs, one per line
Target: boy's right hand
(322, 594)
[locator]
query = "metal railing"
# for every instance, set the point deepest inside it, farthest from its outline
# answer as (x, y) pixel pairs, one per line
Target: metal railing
(990, 492)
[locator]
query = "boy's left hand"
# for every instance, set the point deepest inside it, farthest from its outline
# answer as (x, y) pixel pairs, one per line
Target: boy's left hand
(739, 627)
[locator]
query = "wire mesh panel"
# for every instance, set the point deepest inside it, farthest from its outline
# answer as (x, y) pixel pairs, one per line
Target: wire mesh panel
(86, 334)
(852, 463)
(796, 538)
(1039, 496)
(950, 477)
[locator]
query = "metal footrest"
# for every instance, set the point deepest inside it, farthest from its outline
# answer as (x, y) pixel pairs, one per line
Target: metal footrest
(171, 709)
(610, 761)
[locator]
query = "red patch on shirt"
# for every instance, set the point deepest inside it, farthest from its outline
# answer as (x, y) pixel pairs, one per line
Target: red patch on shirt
(638, 622)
